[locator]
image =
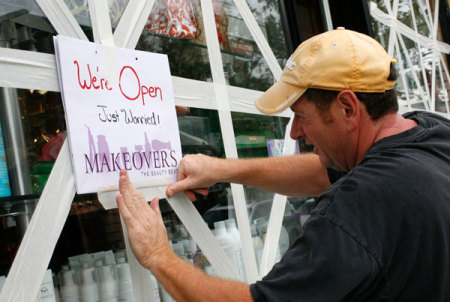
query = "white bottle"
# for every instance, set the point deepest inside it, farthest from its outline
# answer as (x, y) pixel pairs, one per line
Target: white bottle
(234, 233)
(107, 282)
(69, 290)
(125, 286)
(258, 245)
(88, 288)
(230, 246)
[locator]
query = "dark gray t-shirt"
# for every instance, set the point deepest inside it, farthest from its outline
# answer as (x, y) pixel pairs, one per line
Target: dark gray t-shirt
(381, 232)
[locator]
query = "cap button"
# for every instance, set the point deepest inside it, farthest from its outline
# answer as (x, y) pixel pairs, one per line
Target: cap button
(341, 27)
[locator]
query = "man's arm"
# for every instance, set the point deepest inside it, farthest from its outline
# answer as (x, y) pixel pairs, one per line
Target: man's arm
(149, 242)
(298, 175)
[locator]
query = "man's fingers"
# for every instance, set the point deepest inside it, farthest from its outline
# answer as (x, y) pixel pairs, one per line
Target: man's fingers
(123, 208)
(124, 184)
(155, 206)
(174, 188)
(190, 195)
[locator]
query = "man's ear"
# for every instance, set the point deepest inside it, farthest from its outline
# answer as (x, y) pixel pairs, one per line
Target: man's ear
(349, 106)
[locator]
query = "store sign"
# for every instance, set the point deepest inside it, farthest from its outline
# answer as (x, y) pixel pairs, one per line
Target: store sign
(128, 122)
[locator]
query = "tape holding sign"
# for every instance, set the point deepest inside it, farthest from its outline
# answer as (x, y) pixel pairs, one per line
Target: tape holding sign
(129, 123)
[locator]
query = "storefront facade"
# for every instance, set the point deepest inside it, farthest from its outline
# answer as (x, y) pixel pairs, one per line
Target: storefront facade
(216, 78)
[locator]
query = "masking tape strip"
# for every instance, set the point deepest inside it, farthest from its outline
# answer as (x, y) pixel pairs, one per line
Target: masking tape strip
(276, 214)
(61, 18)
(101, 22)
(107, 195)
(140, 277)
(40, 69)
(422, 65)
(102, 30)
(424, 94)
(226, 124)
(38, 243)
(132, 23)
(433, 68)
(260, 40)
(392, 35)
(426, 17)
(326, 9)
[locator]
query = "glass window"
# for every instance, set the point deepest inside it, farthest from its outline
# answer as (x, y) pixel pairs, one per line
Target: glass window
(33, 130)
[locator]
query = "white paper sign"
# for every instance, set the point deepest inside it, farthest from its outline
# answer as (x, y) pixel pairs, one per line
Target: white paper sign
(120, 113)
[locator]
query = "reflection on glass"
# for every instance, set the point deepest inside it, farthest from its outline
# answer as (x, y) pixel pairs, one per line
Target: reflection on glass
(80, 10)
(177, 30)
(25, 27)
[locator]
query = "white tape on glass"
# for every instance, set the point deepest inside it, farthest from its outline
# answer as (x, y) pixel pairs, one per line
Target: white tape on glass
(132, 23)
(62, 19)
(228, 137)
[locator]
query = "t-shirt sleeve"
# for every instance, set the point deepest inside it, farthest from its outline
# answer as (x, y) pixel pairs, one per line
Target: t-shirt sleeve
(324, 264)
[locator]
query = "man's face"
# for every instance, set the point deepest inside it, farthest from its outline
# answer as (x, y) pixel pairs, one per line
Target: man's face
(322, 130)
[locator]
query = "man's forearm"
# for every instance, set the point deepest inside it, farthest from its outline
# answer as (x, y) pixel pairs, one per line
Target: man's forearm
(298, 175)
(184, 282)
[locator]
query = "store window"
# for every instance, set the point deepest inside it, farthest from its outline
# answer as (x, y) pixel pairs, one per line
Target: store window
(33, 130)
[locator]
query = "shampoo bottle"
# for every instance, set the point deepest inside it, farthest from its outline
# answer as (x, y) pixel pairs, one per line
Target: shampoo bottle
(234, 233)
(125, 286)
(107, 282)
(69, 291)
(88, 287)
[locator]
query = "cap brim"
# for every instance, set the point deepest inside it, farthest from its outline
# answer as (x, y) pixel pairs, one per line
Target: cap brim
(278, 97)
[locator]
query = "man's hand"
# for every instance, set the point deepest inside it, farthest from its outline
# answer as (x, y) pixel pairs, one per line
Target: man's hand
(195, 174)
(146, 231)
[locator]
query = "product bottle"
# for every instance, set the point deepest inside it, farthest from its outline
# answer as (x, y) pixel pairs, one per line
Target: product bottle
(230, 246)
(69, 291)
(88, 288)
(257, 245)
(107, 282)
(234, 233)
(125, 286)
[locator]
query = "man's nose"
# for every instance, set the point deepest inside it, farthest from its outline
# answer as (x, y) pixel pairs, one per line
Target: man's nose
(297, 129)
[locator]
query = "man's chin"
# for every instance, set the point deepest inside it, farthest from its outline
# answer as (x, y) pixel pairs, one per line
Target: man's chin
(329, 164)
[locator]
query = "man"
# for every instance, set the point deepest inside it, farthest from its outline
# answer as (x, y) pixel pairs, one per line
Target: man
(380, 233)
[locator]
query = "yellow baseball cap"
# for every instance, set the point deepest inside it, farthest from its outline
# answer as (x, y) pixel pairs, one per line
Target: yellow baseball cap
(335, 60)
